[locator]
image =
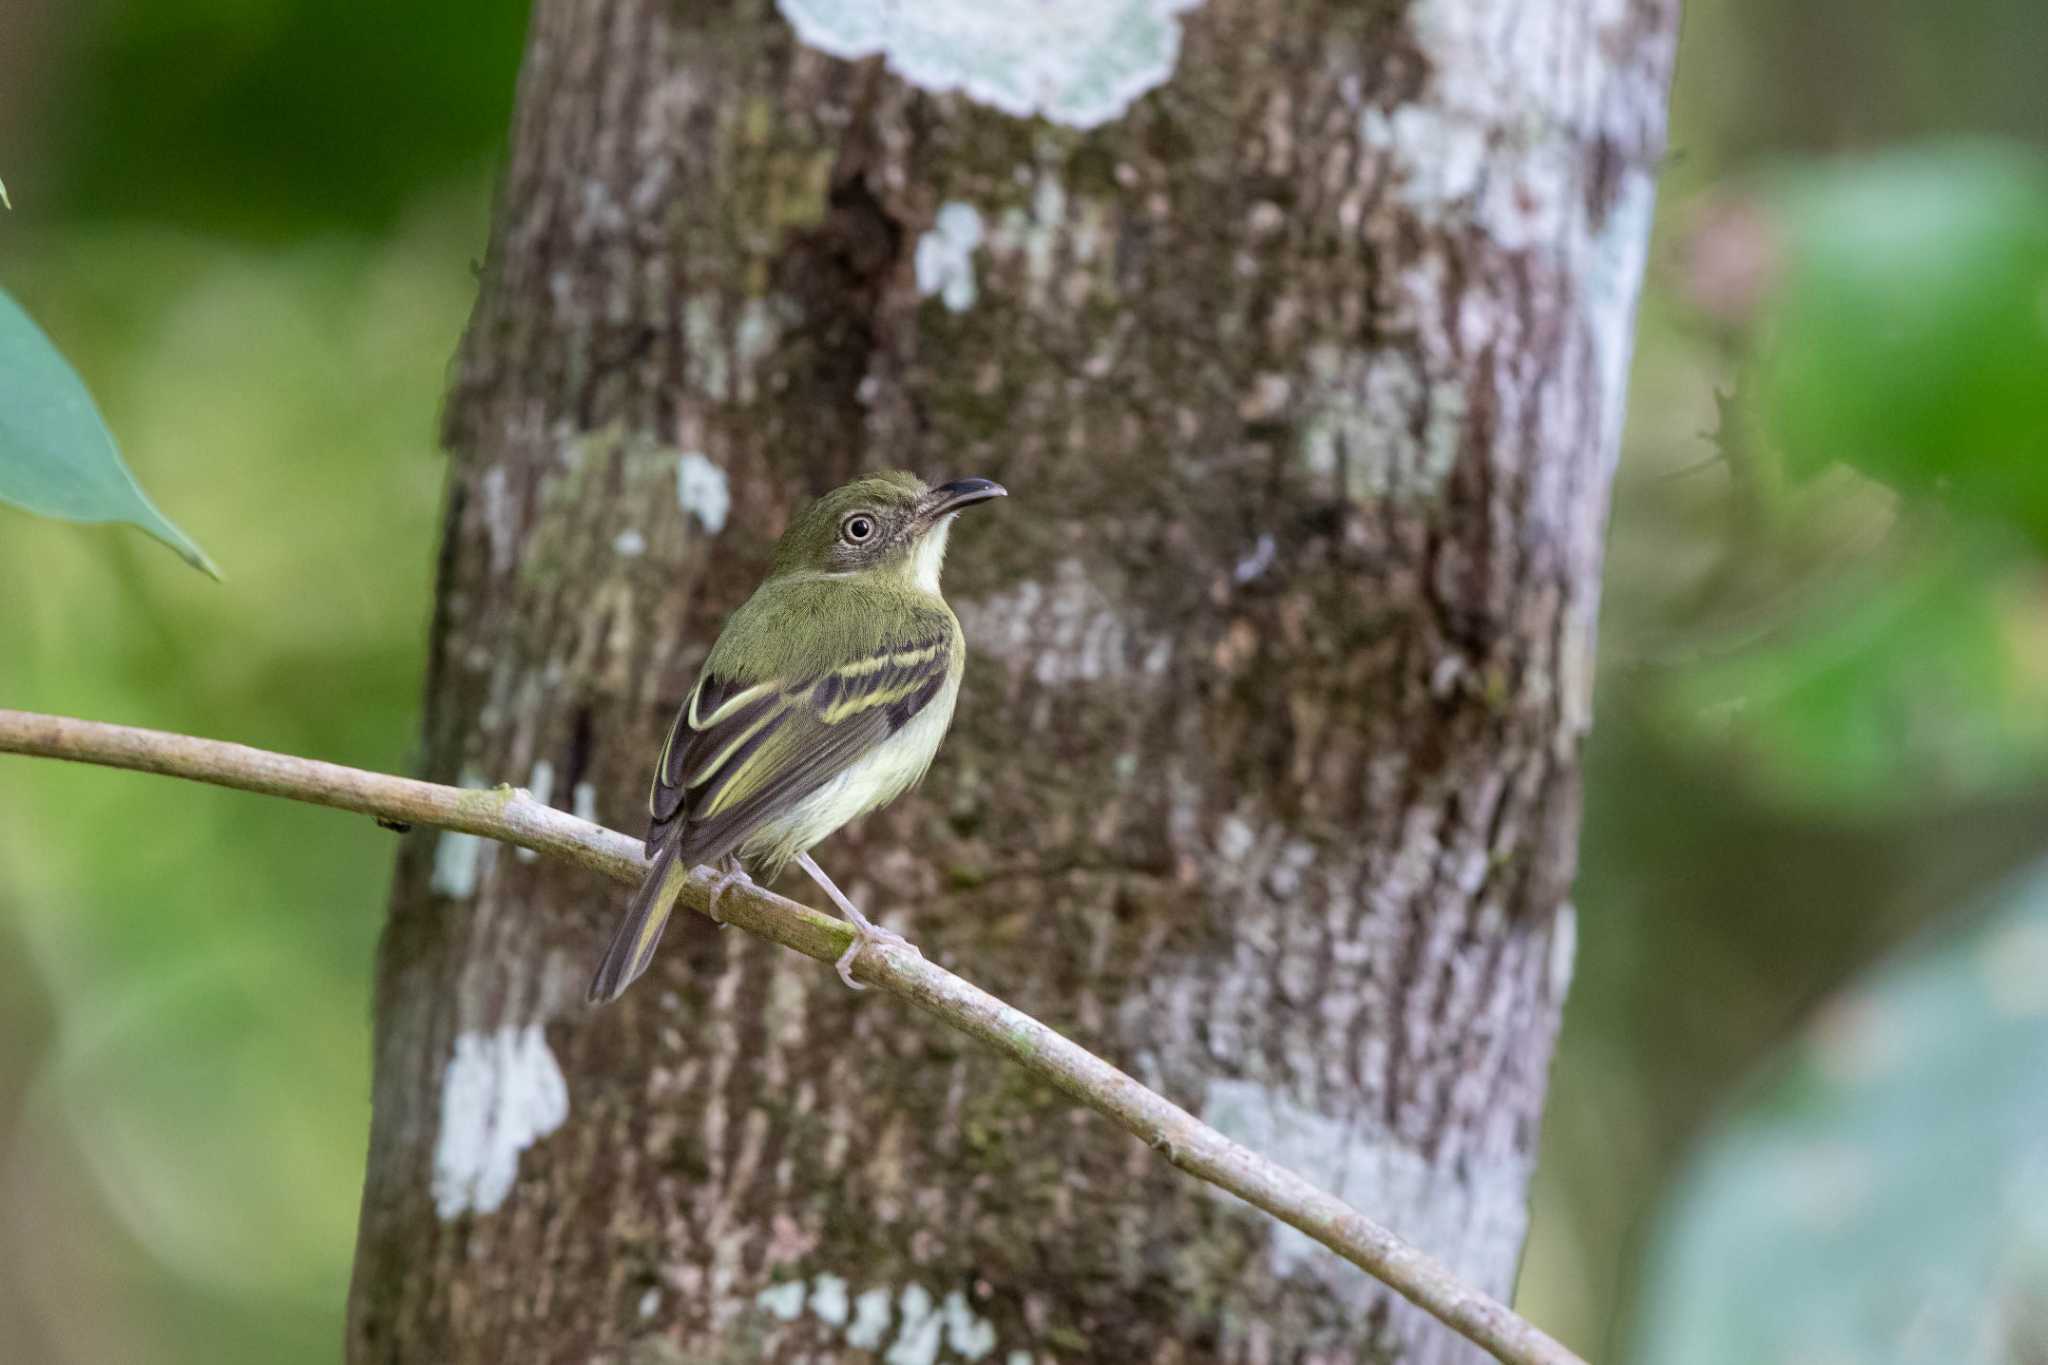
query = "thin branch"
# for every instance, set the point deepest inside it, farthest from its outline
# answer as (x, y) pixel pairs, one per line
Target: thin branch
(512, 816)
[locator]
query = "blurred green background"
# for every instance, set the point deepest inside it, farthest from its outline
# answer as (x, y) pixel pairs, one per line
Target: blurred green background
(1800, 1111)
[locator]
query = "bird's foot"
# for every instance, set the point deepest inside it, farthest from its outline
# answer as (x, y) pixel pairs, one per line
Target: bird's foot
(868, 934)
(732, 876)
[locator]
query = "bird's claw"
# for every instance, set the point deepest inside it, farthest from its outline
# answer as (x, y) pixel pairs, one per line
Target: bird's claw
(868, 936)
(724, 883)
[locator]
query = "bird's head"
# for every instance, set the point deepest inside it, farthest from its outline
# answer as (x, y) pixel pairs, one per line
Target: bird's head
(889, 524)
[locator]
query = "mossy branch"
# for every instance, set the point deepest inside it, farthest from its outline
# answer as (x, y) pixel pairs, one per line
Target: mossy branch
(512, 816)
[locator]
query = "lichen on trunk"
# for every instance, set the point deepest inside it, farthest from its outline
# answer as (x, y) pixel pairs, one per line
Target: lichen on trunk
(1304, 368)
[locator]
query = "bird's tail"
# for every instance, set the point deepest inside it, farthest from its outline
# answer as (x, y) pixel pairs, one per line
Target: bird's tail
(639, 932)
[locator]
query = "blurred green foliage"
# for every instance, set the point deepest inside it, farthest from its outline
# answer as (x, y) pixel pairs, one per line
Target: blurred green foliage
(1909, 335)
(205, 955)
(1824, 678)
(1823, 697)
(187, 1070)
(1865, 634)
(1880, 1193)
(275, 118)
(1915, 683)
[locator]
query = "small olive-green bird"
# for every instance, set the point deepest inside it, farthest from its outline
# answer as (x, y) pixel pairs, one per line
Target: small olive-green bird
(825, 697)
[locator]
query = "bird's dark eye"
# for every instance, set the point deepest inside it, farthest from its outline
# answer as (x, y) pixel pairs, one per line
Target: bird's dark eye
(857, 529)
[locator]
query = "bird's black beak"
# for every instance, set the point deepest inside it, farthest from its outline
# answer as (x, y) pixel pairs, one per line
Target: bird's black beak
(951, 497)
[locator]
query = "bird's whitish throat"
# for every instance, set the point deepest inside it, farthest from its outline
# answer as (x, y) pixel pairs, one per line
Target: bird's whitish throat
(825, 697)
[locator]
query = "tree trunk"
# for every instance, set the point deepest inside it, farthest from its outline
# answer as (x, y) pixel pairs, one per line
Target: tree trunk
(1305, 371)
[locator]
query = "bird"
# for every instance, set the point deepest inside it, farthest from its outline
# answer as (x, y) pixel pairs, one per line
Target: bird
(825, 697)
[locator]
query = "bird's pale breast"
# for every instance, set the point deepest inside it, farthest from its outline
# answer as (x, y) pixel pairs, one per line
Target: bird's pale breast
(872, 781)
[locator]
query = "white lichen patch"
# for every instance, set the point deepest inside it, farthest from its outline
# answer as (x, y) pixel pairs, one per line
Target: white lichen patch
(753, 338)
(1255, 564)
(541, 786)
(968, 1334)
(1613, 275)
(1475, 1218)
(945, 256)
(702, 490)
(726, 350)
(1359, 420)
(459, 858)
(1515, 101)
(870, 1320)
(1576, 662)
(828, 1299)
(1042, 231)
(1031, 239)
(458, 862)
(704, 342)
(500, 519)
(919, 1328)
(784, 1301)
(501, 1093)
(924, 1327)
(1564, 951)
(1076, 62)
(1440, 157)
(1499, 57)
(1446, 163)
(1067, 631)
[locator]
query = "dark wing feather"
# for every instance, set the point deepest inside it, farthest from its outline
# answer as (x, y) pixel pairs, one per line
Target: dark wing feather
(741, 754)
(704, 728)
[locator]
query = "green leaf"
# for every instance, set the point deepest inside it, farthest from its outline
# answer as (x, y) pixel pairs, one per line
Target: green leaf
(1908, 336)
(57, 457)
(1881, 1193)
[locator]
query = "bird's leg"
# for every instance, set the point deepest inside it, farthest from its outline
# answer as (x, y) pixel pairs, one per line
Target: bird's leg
(865, 931)
(733, 873)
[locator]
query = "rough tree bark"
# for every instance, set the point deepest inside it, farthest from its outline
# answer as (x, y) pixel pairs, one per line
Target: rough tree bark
(1305, 372)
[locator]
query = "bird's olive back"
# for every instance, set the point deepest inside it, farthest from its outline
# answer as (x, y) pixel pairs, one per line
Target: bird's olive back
(856, 526)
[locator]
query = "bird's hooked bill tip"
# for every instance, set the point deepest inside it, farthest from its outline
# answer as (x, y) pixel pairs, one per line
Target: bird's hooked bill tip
(951, 497)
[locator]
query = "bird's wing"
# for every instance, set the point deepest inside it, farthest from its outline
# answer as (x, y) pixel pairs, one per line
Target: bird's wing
(741, 753)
